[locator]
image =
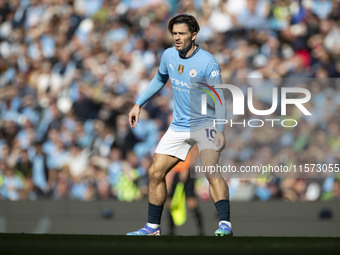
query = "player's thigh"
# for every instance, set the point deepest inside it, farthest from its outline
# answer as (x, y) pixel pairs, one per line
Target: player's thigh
(161, 165)
(209, 157)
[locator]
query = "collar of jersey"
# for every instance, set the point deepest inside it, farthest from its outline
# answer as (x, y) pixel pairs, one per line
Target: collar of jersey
(194, 53)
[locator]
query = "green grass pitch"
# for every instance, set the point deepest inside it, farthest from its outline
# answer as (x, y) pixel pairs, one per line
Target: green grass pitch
(50, 244)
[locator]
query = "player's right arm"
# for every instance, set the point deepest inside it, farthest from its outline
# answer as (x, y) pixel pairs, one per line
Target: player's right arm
(154, 87)
(134, 115)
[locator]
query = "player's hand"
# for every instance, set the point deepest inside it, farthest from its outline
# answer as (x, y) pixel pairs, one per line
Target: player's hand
(220, 141)
(134, 116)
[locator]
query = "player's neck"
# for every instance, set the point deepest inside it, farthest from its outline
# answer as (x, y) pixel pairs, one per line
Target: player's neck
(188, 51)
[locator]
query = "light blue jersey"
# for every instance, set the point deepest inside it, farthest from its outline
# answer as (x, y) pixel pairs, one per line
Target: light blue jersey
(201, 64)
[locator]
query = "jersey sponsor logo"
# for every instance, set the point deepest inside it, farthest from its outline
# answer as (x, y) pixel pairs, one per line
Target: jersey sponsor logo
(180, 69)
(172, 68)
(180, 89)
(179, 83)
(192, 72)
(216, 73)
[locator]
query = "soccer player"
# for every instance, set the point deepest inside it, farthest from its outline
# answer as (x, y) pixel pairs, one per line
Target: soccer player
(179, 64)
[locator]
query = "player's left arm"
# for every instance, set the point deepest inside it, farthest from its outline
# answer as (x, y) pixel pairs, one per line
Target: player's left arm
(214, 77)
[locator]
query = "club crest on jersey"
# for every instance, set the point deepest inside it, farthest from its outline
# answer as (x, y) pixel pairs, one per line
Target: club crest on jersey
(192, 72)
(180, 69)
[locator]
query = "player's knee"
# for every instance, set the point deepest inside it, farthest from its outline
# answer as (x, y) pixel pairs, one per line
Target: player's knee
(155, 174)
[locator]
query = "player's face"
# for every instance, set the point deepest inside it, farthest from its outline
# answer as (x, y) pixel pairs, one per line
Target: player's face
(182, 37)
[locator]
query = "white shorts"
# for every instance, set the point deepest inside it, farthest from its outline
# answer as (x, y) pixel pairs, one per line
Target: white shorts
(178, 144)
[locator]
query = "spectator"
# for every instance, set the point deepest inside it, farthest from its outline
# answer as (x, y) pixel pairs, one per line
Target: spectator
(12, 184)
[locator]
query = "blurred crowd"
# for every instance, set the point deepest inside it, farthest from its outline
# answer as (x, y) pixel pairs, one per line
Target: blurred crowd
(71, 71)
